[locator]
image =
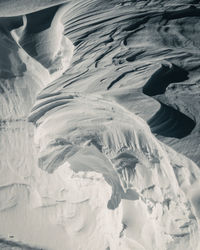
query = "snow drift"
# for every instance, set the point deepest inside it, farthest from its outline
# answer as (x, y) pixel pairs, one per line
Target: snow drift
(80, 166)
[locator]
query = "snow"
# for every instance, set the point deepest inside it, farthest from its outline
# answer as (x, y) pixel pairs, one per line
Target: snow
(80, 166)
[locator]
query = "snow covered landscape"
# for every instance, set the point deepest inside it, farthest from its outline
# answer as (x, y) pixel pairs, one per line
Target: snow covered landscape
(100, 124)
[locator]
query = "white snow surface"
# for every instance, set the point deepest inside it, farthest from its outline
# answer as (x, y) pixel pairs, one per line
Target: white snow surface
(79, 170)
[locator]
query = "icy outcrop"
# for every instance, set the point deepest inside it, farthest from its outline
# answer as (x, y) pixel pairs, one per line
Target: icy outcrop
(120, 51)
(21, 78)
(144, 177)
(43, 40)
(91, 175)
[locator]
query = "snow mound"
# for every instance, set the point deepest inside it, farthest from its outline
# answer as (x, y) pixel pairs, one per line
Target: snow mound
(94, 134)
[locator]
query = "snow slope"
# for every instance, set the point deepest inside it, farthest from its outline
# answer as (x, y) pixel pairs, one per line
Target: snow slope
(82, 120)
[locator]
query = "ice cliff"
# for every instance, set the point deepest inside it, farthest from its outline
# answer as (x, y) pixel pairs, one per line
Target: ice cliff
(99, 125)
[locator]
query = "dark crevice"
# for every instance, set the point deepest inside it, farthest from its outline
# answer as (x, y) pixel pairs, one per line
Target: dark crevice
(161, 79)
(9, 244)
(171, 123)
(119, 78)
(40, 20)
(188, 12)
(136, 24)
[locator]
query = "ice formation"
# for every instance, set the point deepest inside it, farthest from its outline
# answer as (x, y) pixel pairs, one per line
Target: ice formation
(99, 125)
